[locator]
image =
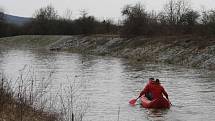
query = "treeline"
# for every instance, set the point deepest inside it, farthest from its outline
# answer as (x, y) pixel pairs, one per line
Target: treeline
(46, 21)
(176, 18)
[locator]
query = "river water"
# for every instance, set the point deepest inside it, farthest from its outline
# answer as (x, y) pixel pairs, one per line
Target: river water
(108, 84)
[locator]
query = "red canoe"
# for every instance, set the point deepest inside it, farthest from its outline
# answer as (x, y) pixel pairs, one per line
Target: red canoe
(156, 103)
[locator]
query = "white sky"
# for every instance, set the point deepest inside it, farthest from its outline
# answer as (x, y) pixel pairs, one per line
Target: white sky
(98, 8)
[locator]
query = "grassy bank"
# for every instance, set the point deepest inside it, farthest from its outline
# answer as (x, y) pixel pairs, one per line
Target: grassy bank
(186, 50)
(30, 98)
(17, 104)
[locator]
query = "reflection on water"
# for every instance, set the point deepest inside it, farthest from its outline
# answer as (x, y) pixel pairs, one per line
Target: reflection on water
(109, 83)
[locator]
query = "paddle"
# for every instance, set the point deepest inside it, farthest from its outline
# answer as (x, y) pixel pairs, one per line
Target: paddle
(170, 103)
(133, 101)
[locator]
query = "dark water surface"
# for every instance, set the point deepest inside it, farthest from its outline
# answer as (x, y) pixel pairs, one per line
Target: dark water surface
(109, 83)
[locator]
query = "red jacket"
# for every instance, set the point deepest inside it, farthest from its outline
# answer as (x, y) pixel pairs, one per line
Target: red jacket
(155, 89)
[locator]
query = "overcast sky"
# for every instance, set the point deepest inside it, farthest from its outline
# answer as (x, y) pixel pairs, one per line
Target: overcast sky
(98, 8)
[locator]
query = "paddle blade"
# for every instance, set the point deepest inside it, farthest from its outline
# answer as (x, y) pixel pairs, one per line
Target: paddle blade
(132, 102)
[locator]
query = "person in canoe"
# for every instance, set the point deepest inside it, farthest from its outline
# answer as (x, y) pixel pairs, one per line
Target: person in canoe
(153, 96)
(153, 90)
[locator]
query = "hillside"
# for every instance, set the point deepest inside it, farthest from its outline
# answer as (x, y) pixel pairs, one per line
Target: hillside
(16, 19)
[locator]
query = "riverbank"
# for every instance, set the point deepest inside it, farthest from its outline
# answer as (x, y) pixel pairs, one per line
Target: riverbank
(16, 106)
(186, 50)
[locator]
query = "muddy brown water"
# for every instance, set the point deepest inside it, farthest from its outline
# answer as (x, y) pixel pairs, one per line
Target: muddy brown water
(108, 84)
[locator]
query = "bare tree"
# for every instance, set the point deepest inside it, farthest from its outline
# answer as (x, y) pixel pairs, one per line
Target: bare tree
(205, 17)
(45, 21)
(137, 10)
(83, 13)
(169, 11)
(136, 20)
(46, 13)
(67, 14)
(189, 18)
(212, 16)
(174, 10)
(162, 18)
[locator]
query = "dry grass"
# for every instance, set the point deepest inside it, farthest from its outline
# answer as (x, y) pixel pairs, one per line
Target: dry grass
(18, 103)
(22, 100)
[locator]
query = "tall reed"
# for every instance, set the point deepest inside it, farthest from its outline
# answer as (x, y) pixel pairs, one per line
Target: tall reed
(28, 98)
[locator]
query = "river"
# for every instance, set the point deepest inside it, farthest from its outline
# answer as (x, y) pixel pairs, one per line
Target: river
(108, 83)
